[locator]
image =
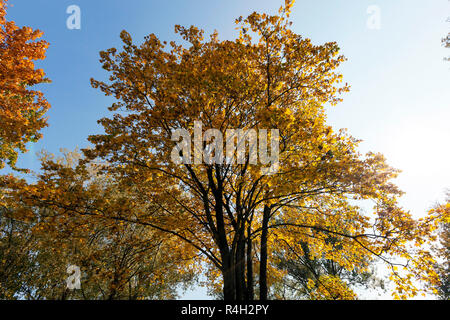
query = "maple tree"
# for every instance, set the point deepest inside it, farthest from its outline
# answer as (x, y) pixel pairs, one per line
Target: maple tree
(22, 109)
(269, 77)
(235, 218)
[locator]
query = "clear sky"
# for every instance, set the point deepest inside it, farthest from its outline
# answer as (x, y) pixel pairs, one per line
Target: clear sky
(399, 102)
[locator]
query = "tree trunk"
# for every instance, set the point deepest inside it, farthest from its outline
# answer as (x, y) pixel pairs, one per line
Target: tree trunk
(263, 262)
(229, 289)
(228, 261)
(240, 266)
(249, 293)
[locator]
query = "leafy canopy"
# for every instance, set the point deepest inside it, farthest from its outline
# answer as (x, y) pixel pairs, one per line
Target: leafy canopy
(22, 109)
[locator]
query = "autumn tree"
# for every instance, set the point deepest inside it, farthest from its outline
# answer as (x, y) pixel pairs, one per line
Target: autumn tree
(269, 77)
(444, 268)
(310, 278)
(442, 249)
(236, 213)
(273, 83)
(116, 260)
(16, 244)
(446, 43)
(22, 108)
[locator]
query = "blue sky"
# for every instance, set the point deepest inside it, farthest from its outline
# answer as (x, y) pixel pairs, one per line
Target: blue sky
(399, 102)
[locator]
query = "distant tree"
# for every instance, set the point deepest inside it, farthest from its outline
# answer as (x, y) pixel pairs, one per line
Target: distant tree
(444, 269)
(307, 277)
(442, 250)
(21, 108)
(446, 43)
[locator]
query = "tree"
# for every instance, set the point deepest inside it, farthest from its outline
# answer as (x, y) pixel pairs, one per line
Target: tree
(234, 214)
(444, 269)
(310, 278)
(442, 250)
(116, 261)
(279, 81)
(446, 43)
(16, 244)
(22, 109)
